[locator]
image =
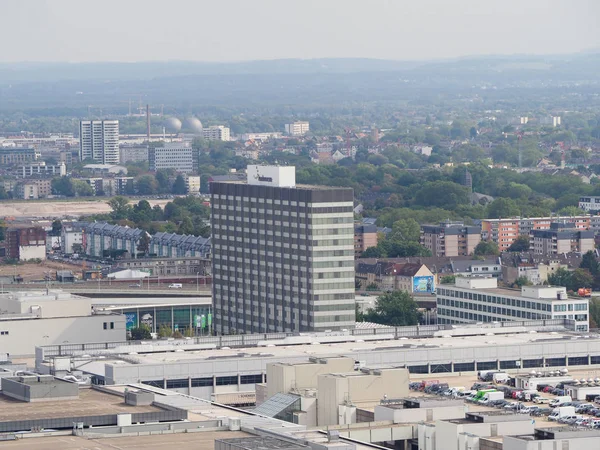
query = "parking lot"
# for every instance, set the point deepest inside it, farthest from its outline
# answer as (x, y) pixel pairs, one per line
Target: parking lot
(548, 406)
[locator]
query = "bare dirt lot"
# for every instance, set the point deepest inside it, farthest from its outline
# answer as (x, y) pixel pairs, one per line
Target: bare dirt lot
(52, 209)
(33, 272)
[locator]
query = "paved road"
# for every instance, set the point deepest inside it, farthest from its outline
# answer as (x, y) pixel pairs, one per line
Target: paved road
(114, 288)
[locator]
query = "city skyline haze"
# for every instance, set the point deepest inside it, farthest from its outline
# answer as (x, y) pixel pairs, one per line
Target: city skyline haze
(240, 30)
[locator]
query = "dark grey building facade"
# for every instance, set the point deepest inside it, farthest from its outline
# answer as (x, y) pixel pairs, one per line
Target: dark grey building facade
(283, 258)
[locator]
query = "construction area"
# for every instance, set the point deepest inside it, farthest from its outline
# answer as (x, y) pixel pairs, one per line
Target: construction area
(36, 271)
(61, 208)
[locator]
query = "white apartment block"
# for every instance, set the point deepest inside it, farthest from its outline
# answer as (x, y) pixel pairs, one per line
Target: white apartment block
(176, 156)
(216, 133)
(297, 128)
(99, 140)
(589, 203)
(478, 299)
(192, 184)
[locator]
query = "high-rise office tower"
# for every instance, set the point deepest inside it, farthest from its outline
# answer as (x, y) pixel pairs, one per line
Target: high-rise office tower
(99, 140)
(283, 254)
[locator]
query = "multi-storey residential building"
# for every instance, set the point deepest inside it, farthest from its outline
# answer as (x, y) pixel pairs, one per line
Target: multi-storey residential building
(589, 203)
(174, 156)
(478, 299)
(411, 277)
(99, 140)
(170, 245)
(192, 184)
(26, 191)
(26, 243)
(33, 188)
(365, 236)
(216, 133)
(505, 231)
(40, 169)
(102, 237)
(561, 238)
(72, 238)
(297, 128)
(283, 254)
(18, 155)
(450, 238)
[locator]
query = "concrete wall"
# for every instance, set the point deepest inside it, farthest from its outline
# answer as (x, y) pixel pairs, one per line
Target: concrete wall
(358, 389)
(371, 389)
(24, 335)
(282, 378)
(32, 252)
(426, 436)
(35, 391)
(412, 415)
(330, 390)
(583, 443)
(447, 432)
(54, 304)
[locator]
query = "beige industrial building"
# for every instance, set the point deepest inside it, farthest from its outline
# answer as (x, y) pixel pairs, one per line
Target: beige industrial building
(327, 391)
(420, 409)
(340, 394)
(289, 377)
(555, 438)
(458, 434)
(32, 318)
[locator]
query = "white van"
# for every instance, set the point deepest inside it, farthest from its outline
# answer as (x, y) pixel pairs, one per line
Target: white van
(175, 286)
(560, 400)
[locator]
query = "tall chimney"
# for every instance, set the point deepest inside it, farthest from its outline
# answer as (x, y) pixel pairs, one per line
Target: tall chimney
(148, 122)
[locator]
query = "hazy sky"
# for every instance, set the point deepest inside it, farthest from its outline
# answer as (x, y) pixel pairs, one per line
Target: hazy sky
(226, 30)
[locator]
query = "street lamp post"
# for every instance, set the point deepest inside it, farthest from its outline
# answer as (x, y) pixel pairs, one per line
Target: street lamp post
(197, 277)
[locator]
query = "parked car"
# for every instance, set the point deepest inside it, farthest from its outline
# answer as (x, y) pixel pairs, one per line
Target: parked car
(136, 285)
(541, 400)
(542, 412)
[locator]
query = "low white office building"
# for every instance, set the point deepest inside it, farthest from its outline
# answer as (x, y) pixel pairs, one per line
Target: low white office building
(53, 317)
(478, 299)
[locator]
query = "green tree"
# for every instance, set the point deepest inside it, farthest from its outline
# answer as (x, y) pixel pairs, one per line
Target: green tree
(56, 227)
(147, 185)
(165, 331)
(83, 189)
(63, 186)
(503, 208)
(590, 263)
(580, 278)
(360, 317)
(443, 194)
(521, 281)
(486, 248)
(162, 178)
(562, 277)
(570, 211)
(520, 244)
(179, 186)
(144, 243)
(594, 312)
(120, 207)
(395, 308)
(448, 279)
(405, 230)
(141, 333)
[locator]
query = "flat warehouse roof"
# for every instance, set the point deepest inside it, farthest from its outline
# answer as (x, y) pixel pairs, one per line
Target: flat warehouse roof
(198, 441)
(91, 402)
(346, 348)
